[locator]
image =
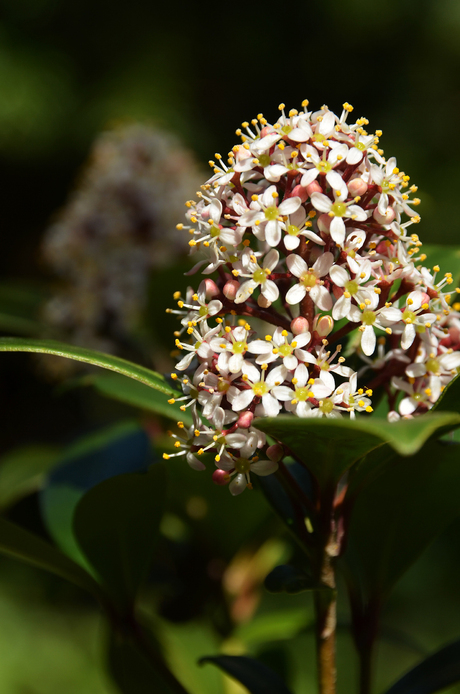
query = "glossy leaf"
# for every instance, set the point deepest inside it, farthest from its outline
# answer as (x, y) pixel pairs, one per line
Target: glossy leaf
(116, 525)
(289, 579)
(89, 356)
(329, 447)
(398, 514)
(136, 672)
(138, 395)
(23, 470)
(117, 449)
(27, 547)
(438, 671)
(255, 676)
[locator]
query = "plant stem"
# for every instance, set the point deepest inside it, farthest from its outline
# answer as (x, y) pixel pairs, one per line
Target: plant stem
(326, 621)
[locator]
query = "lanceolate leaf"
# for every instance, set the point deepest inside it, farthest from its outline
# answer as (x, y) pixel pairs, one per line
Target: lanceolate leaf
(255, 676)
(89, 356)
(21, 544)
(437, 672)
(117, 525)
(398, 514)
(329, 447)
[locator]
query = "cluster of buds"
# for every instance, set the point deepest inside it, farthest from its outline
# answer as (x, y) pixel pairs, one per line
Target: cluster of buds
(307, 231)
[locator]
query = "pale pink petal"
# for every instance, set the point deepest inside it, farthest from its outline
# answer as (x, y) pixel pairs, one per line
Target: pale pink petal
(321, 297)
(243, 400)
(296, 265)
(408, 336)
(290, 205)
(295, 294)
(237, 485)
(271, 259)
(251, 372)
(270, 290)
(323, 264)
(273, 232)
(309, 176)
(291, 242)
(264, 467)
(338, 275)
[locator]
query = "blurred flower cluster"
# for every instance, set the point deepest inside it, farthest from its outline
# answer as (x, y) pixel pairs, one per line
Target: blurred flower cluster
(116, 229)
(308, 230)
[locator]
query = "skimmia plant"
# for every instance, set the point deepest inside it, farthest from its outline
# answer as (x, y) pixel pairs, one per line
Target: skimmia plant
(317, 364)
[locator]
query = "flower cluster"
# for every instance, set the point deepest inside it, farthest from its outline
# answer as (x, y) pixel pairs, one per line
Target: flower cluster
(308, 231)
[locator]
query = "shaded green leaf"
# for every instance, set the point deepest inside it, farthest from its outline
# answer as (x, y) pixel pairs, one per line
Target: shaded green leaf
(450, 398)
(139, 395)
(89, 356)
(329, 447)
(438, 671)
(117, 525)
(289, 579)
(23, 470)
(120, 448)
(138, 672)
(398, 514)
(253, 675)
(21, 544)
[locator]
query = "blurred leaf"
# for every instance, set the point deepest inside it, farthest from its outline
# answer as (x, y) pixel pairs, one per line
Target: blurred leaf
(89, 356)
(255, 676)
(16, 324)
(136, 673)
(398, 514)
(23, 470)
(117, 449)
(328, 447)
(117, 525)
(138, 395)
(289, 579)
(450, 397)
(447, 257)
(21, 544)
(278, 498)
(273, 626)
(436, 672)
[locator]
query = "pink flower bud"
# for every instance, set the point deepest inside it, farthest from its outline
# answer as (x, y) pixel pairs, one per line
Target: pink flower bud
(357, 187)
(323, 325)
(324, 222)
(211, 289)
(263, 302)
(266, 131)
(275, 452)
(245, 420)
(230, 289)
(300, 192)
(299, 325)
(313, 187)
(386, 218)
(220, 477)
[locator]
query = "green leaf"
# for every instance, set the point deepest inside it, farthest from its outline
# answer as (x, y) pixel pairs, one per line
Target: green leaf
(21, 544)
(117, 449)
(397, 515)
(329, 447)
(89, 356)
(255, 676)
(117, 525)
(139, 395)
(289, 579)
(450, 397)
(23, 470)
(438, 671)
(138, 672)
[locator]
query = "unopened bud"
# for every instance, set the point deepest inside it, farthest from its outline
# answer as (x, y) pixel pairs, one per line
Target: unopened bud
(324, 325)
(313, 187)
(211, 289)
(275, 452)
(263, 302)
(324, 222)
(245, 420)
(357, 187)
(230, 289)
(220, 477)
(299, 325)
(386, 218)
(300, 192)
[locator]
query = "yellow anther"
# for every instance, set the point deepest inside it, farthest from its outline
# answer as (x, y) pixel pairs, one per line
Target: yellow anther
(171, 401)
(264, 367)
(281, 106)
(177, 444)
(268, 338)
(347, 107)
(305, 103)
(369, 409)
(166, 456)
(254, 198)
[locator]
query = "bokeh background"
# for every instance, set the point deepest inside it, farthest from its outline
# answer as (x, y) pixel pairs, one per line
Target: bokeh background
(71, 69)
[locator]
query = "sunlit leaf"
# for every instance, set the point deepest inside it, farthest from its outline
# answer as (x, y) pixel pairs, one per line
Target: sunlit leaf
(89, 356)
(116, 525)
(255, 676)
(329, 447)
(438, 671)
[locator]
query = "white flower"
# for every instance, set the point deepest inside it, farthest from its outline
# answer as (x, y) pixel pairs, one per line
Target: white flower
(279, 347)
(338, 209)
(231, 347)
(243, 465)
(310, 280)
(298, 225)
(266, 217)
(352, 288)
(200, 346)
(322, 165)
(269, 390)
(249, 267)
(381, 318)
